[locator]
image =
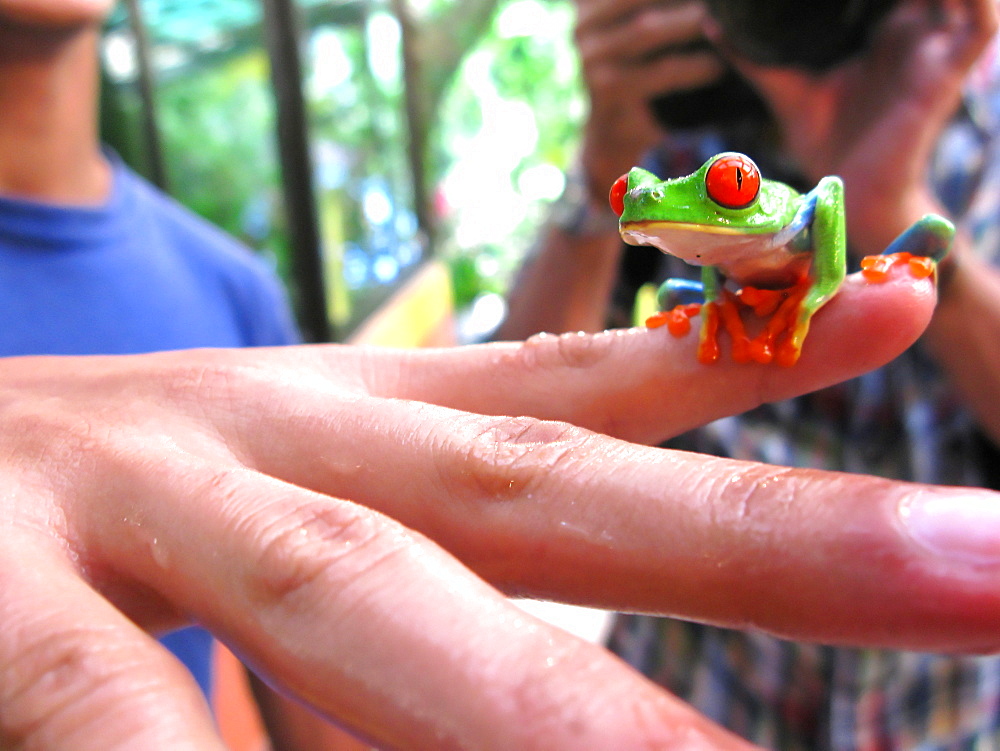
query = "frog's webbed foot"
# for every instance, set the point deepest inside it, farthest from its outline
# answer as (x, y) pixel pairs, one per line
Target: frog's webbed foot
(677, 319)
(677, 298)
(919, 247)
(713, 314)
(680, 300)
(929, 236)
(790, 311)
(724, 312)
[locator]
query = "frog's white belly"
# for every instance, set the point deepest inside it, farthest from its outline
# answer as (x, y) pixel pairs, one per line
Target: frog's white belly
(761, 260)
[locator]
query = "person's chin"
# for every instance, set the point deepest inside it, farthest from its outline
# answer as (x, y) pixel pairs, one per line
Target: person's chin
(55, 13)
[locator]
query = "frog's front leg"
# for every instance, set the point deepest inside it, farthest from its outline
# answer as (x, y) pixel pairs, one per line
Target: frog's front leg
(828, 235)
(720, 310)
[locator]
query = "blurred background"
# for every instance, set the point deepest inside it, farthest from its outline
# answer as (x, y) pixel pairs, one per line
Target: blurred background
(356, 143)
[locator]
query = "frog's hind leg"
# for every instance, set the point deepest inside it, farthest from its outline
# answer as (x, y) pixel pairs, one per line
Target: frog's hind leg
(719, 309)
(921, 246)
(782, 338)
(729, 317)
(930, 236)
(678, 300)
(674, 292)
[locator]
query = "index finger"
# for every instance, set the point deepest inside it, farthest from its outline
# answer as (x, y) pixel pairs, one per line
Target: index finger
(612, 12)
(646, 385)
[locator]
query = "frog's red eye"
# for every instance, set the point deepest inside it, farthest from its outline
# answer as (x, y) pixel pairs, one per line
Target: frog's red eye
(617, 197)
(733, 181)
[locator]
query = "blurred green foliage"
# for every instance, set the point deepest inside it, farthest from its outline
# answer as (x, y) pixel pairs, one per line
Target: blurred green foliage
(216, 119)
(525, 63)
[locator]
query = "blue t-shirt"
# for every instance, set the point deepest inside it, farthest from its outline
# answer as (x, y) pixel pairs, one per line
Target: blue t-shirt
(139, 274)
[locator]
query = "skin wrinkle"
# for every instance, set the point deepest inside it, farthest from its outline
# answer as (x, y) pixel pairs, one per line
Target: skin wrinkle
(145, 702)
(351, 581)
(63, 665)
(735, 511)
(54, 438)
(544, 708)
(42, 664)
(736, 493)
(860, 549)
(379, 375)
(574, 350)
(582, 351)
(462, 731)
(501, 459)
(306, 548)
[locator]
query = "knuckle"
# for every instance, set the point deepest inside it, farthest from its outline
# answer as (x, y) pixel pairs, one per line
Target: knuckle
(321, 545)
(618, 713)
(575, 351)
(231, 383)
(56, 443)
(65, 681)
(200, 381)
(756, 497)
(38, 680)
(505, 458)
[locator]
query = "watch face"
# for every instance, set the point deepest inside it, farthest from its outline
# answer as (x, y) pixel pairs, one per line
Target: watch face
(817, 34)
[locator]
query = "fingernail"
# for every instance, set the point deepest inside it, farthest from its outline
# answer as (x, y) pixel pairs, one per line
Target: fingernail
(956, 524)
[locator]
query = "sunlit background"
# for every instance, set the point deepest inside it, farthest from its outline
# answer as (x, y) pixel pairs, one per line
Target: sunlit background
(499, 83)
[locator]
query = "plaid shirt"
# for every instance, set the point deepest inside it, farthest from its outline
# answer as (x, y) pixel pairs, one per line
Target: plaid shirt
(902, 421)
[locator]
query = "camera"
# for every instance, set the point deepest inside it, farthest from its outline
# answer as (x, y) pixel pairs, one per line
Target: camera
(811, 34)
(728, 100)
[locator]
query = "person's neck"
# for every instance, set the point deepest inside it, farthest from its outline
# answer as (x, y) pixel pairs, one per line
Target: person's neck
(49, 143)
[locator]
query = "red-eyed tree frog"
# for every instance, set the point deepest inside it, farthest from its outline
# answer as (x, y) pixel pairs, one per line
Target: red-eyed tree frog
(781, 253)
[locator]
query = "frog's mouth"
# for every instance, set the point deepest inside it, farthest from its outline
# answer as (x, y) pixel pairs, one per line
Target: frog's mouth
(656, 225)
(699, 244)
(760, 259)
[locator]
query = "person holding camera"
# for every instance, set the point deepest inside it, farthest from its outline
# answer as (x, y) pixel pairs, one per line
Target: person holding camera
(902, 100)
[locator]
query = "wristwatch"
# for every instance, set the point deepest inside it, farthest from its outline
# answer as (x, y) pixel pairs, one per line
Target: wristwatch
(575, 211)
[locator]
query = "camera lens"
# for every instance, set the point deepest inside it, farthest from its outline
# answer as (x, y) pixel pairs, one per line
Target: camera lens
(812, 34)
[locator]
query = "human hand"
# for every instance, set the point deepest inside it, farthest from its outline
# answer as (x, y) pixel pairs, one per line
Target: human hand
(328, 511)
(631, 52)
(875, 119)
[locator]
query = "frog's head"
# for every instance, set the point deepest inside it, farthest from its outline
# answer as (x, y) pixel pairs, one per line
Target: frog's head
(725, 203)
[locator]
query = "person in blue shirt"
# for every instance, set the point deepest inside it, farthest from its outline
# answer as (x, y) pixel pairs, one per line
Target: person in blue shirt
(347, 518)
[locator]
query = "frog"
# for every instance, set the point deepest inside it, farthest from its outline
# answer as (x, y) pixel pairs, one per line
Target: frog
(761, 244)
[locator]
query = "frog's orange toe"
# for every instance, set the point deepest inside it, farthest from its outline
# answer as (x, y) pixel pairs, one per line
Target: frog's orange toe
(708, 352)
(876, 268)
(788, 355)
(677, 320)
(763, 301)
(761, 351)
(708, 347)
(657, 320)
(922, 267)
